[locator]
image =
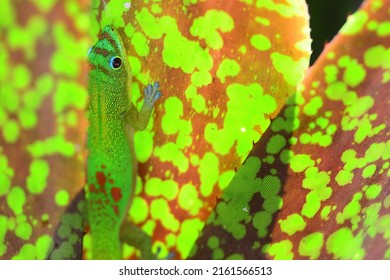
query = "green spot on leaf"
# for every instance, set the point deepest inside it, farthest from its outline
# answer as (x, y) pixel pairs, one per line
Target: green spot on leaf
(292, 224)
(37, 179)
(310, 246)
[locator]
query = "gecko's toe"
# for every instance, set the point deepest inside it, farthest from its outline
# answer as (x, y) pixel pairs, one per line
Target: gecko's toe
(148, 89)
(157, 96)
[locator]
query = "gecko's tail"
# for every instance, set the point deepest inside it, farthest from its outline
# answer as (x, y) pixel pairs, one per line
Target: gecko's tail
(106, 246)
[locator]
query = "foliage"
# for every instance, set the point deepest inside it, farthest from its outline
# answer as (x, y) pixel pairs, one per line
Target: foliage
(317, 183)
(318, 175)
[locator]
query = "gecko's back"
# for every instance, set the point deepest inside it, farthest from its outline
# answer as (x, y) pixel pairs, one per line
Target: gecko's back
(110, 169)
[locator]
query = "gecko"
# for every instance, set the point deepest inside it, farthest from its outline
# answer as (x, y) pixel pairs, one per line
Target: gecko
(111, 162)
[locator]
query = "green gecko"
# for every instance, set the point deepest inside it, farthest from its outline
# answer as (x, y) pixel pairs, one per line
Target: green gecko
(111, 163)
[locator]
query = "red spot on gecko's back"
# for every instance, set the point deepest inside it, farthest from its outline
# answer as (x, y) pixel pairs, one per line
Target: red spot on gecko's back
(92, 187)
(101, 178)
(116, 194)
(116, 209)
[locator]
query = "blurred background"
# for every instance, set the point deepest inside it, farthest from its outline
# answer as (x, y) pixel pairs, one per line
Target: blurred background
(326, 19)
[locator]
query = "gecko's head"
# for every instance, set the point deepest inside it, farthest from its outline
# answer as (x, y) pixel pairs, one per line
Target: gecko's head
(108, 57)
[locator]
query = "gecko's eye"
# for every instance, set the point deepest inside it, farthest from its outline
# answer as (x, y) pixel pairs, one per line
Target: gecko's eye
(115, 62)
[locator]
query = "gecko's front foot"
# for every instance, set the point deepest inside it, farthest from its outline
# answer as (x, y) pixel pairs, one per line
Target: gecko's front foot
(152, 93)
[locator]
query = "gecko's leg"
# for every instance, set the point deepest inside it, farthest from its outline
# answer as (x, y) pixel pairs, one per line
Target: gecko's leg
(136, 237)
(139, 120)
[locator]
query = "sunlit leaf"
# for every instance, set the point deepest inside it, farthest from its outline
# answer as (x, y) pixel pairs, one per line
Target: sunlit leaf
(316, 186)
(42, 124)
(225, 68)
